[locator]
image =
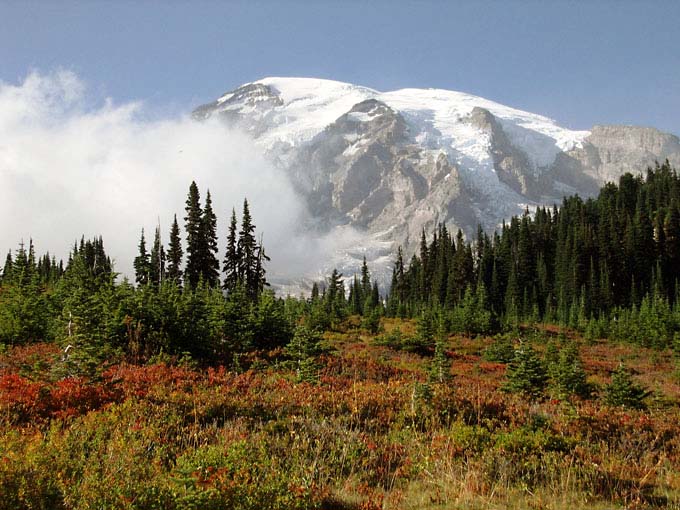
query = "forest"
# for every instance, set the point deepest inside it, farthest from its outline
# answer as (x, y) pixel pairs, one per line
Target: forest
(535, 366)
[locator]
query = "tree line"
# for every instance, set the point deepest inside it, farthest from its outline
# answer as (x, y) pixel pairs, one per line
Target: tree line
(181, 302)
(607, 265)
(243, 264)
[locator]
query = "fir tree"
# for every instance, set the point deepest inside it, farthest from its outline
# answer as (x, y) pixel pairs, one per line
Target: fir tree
(175, 253)
(426, 329)
(141, 263)
(260, 281)
(568, 374)
(526, 374)
(355, 297)
(157, 260)
(440, 366)
(334, 297)
(375, 296)
(248, 253)
(7, 269)
(209, 265)
(231, 258)
(501, 350)
(193, 225)
(302, 350)
(365, 280)
(622, 391)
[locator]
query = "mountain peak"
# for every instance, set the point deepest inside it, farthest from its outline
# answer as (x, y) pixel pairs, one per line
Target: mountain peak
(408, 159)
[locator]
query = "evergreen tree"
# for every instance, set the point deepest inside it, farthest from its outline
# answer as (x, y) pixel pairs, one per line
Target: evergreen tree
(7, 269)
(334, 298)
(303, 350)
(193, 225)
(365, 280)
(210, 266)
(622, 391)
(440, 366)
(501, 350)
(568, 374)
(526, 374)
(141, 263)
(157, 260)
(175, 253)
(356, 297)
(375, 296)
(426, 330)
(248, 254)
(260, 281)
(232, 257)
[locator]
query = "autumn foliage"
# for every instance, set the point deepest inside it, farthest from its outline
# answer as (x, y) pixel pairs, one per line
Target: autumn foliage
(372, 431)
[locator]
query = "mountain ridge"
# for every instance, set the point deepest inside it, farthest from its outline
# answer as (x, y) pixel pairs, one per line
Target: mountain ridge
(393, 164)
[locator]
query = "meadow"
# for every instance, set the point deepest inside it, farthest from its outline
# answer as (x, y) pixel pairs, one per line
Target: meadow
(370, 430)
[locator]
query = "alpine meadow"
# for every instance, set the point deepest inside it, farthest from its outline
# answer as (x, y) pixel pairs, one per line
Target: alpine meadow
(280, 255)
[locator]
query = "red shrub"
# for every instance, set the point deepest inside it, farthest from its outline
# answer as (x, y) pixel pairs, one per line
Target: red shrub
(20, 397)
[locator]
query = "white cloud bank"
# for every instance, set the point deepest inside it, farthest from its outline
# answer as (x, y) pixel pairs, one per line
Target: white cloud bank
(70, 168)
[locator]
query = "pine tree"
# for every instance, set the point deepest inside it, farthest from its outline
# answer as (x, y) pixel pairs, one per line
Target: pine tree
(355, 297)
(526, 374)
(440, 366)
(334, 298)
(247, 251)
(397, 301)
(157, 260)
(210, 266)
(303, 349)
(623, 391)
(426, 329)
(141, 263)
(7, 269)
(193, 222)
(568, 374)
(375, 296)
(260, 281)
(231, 258)
(175, 254)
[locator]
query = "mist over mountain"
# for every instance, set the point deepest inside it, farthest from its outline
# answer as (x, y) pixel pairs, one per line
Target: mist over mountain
(386, 165)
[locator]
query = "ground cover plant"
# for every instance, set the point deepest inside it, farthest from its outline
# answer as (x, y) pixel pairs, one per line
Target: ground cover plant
(367, 427)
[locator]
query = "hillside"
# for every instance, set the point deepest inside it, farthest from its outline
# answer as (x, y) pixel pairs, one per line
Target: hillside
(394, 163)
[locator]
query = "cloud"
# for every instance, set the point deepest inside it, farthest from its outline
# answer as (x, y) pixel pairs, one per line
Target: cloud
(71, 165)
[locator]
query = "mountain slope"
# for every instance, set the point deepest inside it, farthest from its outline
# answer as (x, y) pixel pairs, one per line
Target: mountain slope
(393, 163)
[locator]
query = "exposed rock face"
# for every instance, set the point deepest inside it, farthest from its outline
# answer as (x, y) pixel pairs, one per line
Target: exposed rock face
(610, 151)
(511, 163)
(391, 164)
(364, 169)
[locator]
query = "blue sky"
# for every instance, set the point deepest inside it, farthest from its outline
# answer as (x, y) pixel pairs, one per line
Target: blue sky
(579, 62)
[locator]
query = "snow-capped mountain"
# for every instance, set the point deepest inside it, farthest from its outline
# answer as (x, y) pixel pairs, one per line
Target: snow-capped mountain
(393, 163)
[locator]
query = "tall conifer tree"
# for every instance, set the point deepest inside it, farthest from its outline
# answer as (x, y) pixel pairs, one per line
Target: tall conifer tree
(231, 258)
(157, 259)
(247, 250)
(210, 266)
(141, 263)
(175, 253)
(193, 222)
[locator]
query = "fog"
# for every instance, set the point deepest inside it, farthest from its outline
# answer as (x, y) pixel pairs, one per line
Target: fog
(72, 165)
